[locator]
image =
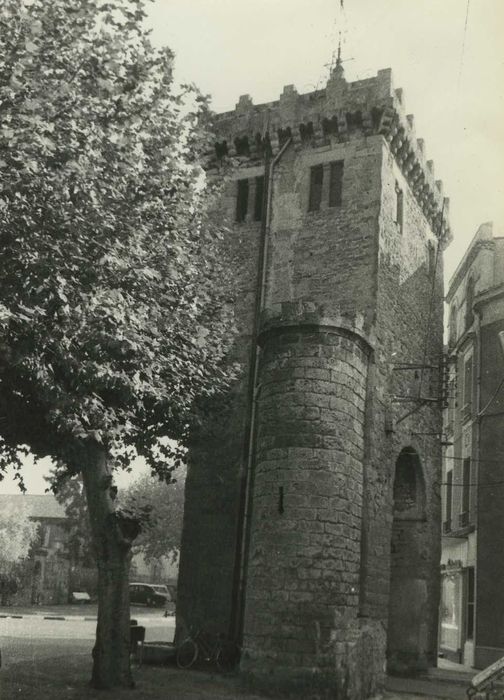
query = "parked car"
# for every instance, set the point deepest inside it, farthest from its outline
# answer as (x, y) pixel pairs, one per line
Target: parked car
(150, 594)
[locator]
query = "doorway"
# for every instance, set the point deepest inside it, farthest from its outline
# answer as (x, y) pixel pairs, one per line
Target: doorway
(407, 626)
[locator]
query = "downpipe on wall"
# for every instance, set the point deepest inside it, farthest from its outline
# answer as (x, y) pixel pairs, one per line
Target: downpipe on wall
(243, 540)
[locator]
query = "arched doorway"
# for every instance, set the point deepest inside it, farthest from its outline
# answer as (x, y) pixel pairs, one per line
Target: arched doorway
(407, 626)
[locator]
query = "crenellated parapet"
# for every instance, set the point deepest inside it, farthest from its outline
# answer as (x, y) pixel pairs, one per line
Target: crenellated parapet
(339, 112)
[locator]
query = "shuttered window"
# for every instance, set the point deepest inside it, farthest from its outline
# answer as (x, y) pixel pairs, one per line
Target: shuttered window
(336, 183)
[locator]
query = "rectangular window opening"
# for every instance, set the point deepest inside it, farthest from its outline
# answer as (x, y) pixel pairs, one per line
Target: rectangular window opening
(468, 379)
(470, 603)
(449, 497)
(242, 200)
(316, 180)
(466, 485)
(259, 197)
(336, 184)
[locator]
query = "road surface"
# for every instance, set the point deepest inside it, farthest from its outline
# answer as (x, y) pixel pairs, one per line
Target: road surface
(23, 639)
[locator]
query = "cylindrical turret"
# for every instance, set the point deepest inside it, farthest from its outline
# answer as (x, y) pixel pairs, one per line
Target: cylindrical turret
(304, 555)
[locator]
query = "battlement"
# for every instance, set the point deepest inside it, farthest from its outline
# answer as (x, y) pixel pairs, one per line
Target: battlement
(339, 112)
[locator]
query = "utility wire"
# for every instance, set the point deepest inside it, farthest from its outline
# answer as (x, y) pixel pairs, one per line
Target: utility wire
(482, 412)
(470, 483)
(461, 64)
(485, 461)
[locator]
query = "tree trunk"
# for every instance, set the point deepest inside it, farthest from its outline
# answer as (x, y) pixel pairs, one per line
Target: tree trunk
(111, 653)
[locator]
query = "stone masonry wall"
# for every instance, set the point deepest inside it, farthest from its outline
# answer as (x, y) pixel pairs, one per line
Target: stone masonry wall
(347, 295)
(405, 299)
(304, 554)
(214, 486)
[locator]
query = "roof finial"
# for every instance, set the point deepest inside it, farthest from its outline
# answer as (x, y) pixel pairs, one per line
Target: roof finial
(338, 71)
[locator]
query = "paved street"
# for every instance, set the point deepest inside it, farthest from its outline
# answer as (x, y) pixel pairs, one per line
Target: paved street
(32, 642)
(20, 639)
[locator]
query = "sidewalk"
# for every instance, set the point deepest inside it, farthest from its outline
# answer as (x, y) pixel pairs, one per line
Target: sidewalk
(428, 687)
(70, 612)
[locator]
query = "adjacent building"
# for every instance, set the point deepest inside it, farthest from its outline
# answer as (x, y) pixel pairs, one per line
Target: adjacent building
(312, 514)
(49, 565)
(53, 571)
(472, 608)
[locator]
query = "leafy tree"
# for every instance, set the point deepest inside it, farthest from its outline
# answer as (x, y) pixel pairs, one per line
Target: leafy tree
(111, 320)
(17, 534)
(164, 506)
(70, 493)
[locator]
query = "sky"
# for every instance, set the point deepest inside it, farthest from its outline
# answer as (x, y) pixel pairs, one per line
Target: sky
(446, 55)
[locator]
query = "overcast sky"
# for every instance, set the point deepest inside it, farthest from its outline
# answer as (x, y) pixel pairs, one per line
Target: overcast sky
(452, 74)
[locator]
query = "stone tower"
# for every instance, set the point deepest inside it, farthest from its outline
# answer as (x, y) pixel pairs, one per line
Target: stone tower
(312, 524)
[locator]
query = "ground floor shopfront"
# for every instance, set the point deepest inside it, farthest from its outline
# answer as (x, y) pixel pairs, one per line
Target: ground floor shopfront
(458, 611)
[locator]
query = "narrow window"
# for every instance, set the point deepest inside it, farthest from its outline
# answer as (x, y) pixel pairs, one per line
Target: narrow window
(336, 183)
(449, 496)
(330, 126)
(242, 146)
(316, 179)
(399, 206)
(469, 315)
(466, 490)
(259, 196)
(468, 372)
(354, 120)
(242, 200)
(470, 603)
(452, 338)
(306, 132)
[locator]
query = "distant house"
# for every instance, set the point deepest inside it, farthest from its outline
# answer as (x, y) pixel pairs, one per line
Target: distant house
(49, 582)
(55, 574)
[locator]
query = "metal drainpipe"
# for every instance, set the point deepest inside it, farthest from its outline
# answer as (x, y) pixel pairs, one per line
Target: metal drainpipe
(244, 540)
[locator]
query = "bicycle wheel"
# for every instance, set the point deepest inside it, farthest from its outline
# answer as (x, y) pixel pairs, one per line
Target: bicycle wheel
(187, 653)
(227, 657)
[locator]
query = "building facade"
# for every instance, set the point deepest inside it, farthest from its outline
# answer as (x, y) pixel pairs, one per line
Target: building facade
(472, 610)
(48, 568)
(54, 570)
(312, 514)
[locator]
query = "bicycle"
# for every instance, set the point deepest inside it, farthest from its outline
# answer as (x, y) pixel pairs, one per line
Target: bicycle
(217, 649)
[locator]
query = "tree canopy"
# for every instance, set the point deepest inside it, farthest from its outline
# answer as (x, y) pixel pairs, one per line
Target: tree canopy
(111, 317)
(161, 507)
(113, 280)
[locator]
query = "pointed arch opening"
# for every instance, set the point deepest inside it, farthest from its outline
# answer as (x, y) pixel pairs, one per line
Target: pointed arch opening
(407, 626)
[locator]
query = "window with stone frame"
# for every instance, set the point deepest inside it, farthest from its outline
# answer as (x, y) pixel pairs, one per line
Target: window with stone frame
(469, 313)
(467, 387)
(316, 182)
(466, 492)
(452, 328)
(242, 196)
(259, 197)
(335, 183)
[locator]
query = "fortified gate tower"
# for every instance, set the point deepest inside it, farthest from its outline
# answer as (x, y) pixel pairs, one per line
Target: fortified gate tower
(312, 518)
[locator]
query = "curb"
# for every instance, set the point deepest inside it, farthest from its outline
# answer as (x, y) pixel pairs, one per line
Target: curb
(78, 618)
